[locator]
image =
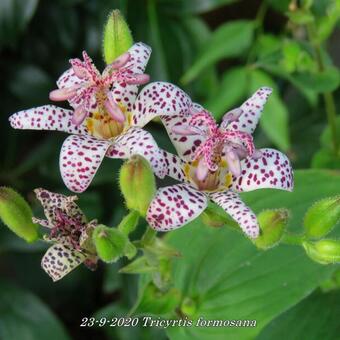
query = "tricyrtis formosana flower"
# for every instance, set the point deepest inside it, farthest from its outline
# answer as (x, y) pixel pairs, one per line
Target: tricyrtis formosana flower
(107, 116)
(217, 162)
(69, 232)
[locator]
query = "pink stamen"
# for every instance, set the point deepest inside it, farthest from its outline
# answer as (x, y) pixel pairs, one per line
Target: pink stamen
(202, 170)
(79, 115)
(63, 94)
(121, 60)
(185, 130)
(113, 109)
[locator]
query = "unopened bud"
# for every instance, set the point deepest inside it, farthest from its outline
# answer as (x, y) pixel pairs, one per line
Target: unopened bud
(137, 183)
(321, 217)
(272, 226)
(17, 215)
(117, 38)
(129, 222)
(323, 251)
(110, 243)
(189, 307)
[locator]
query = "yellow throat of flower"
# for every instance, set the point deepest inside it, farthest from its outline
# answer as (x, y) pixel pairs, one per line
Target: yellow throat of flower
(100, 124)
(221, 179)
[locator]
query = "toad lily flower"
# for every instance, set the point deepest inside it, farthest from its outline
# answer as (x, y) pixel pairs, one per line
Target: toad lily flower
(217, 163)
(108, 115)
(69, 232)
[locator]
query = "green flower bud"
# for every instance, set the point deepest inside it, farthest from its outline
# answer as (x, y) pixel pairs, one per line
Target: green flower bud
(321, 217)
(117, 37)
(272, 225)
(188, 307)
(137, 183)
(110, 243)
(129, 222)
(17, 215)
(323, 251)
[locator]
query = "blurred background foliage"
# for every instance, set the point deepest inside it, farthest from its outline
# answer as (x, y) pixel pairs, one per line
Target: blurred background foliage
(219, 51)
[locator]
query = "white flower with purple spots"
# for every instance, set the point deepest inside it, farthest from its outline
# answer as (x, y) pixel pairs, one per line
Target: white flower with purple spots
(69, 232)
(107, 117)
(216, 163)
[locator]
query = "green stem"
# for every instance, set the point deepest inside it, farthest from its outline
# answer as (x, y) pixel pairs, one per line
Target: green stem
(129, 222)
(327, 96)
(292, 239)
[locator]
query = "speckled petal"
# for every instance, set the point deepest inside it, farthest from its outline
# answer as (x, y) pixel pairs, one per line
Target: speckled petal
(59, 260)
(174, 166)
(175, 206)
(271, 170)
(136, 141)
(48, 117)
(252, 110)
(186, 146)
(123, 93)
(159, 98)
(80, 158)
(50, 201)
(232, 204)
(68, 79)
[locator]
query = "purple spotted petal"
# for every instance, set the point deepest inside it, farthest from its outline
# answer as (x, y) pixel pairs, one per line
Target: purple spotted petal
(80, 159)
(157, 99)
(175, 206)
(51, 201)
(126, 94)
(48, 117)
(271, 170)
(139, 142)
(232, 204)
(185, 145)
(174, 166)
(251, 111)
(60, 259)
(68, 79)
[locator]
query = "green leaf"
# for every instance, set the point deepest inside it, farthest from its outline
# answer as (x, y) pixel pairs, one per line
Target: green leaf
(229, 279)
(192, 7)
(14, 16)
(326, 81)
(24, 316)
(279, 5)
(326, 136)
(229, 40)
(232, 89)
(320, 319)
(274, 120)
(300, 17)
(325, 159)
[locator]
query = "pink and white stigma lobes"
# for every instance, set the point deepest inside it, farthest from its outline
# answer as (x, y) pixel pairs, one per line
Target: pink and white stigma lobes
(96, 124)
(90, 92)
(70, 234)
(216, 163)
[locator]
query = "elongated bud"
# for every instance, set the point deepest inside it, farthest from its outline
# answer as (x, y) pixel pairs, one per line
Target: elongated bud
(322, 217)
(189, 307)
(129, 222)
(117, 38)
(272, 225)
(17, 215)
(137, 183)
(110, 243)
(323, 251)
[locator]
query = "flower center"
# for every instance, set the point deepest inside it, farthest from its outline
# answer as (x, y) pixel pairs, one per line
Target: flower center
(101, 125)
(67, 228)
(221, 179)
